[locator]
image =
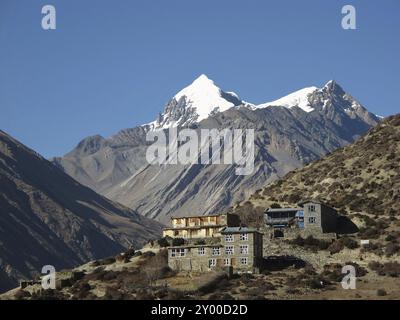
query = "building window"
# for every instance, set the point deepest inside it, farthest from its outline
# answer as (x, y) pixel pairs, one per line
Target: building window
(312, 219)
(212, 263)
(178, 252)
(229, 238)
(243, 261)
(216, 251)
(229, 250)
(244, 249)
(227, 262)
(244, 237)
(193, 221)
(201, 251)
(311, 208)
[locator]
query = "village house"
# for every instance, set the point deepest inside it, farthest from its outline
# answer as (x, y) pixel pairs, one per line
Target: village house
(309, 218)
(190, 227)
(240, 249)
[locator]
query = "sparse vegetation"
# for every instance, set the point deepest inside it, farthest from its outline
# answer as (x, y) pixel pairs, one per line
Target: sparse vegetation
(391, 269)
(310, 243)
(163, 242)
(381, 292)
(178, 242)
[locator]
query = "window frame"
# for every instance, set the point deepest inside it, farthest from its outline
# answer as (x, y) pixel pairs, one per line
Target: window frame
(244, 246)
(230, 236)
(178, 253)
(201, 251)
(312, 220)
(231, 248)
(244, 237)
(212, 263)
(215, 249)
(244, 259)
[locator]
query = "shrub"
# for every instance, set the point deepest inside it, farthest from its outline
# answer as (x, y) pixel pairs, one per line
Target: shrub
(298, 241)
(369, 232)
(275, 205)
(144, 295)
(113, 293)
(333, 272)
(130, 253)
(390, 237)
(178, 242)
(381, 292)
(267, 286)
(147, 254)
(107, 261)
(200, 242)
(48, 295)
(335, 247)
(391, 269)
(373, 247)
(360, 271)
(316, 283)
(310, 243)
(163, 242)
(221, 296)
(392, 249)
(21, 294)
(349, 243)
(251, 216)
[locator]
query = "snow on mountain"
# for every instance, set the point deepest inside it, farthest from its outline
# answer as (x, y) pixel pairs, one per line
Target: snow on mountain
(298, 98)
(194, 103)
(205, 96)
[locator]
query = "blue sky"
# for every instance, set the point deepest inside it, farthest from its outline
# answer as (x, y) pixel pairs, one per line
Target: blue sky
(114, 64)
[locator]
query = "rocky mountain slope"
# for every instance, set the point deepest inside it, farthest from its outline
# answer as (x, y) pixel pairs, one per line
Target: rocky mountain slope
(289, 133)
(362, 179)
(47, 218)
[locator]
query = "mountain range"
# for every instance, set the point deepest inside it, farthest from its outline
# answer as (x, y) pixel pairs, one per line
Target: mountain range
(289, 133)
(48, 218)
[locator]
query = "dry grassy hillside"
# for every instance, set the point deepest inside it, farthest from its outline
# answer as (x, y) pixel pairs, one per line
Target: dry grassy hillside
(363, 177)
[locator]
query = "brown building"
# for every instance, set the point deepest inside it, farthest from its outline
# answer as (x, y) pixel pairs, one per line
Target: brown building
(240, 248)
(199, 226)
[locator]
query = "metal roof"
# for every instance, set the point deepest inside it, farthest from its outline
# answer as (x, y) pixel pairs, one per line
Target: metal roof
(238, 230)
(283, 209)
(314, 201)
(188, 246)
(211, 226)
(198, 216)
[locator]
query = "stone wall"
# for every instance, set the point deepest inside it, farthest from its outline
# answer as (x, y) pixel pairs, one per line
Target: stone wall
(193, 261)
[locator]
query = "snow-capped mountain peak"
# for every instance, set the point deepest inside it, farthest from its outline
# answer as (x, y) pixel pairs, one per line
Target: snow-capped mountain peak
(196, 102)
(203, 98)
(298, 98)
(313, 98)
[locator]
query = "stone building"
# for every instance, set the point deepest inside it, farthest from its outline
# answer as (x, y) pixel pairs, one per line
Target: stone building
(190, 227)
(239, 248)
(309, 218)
